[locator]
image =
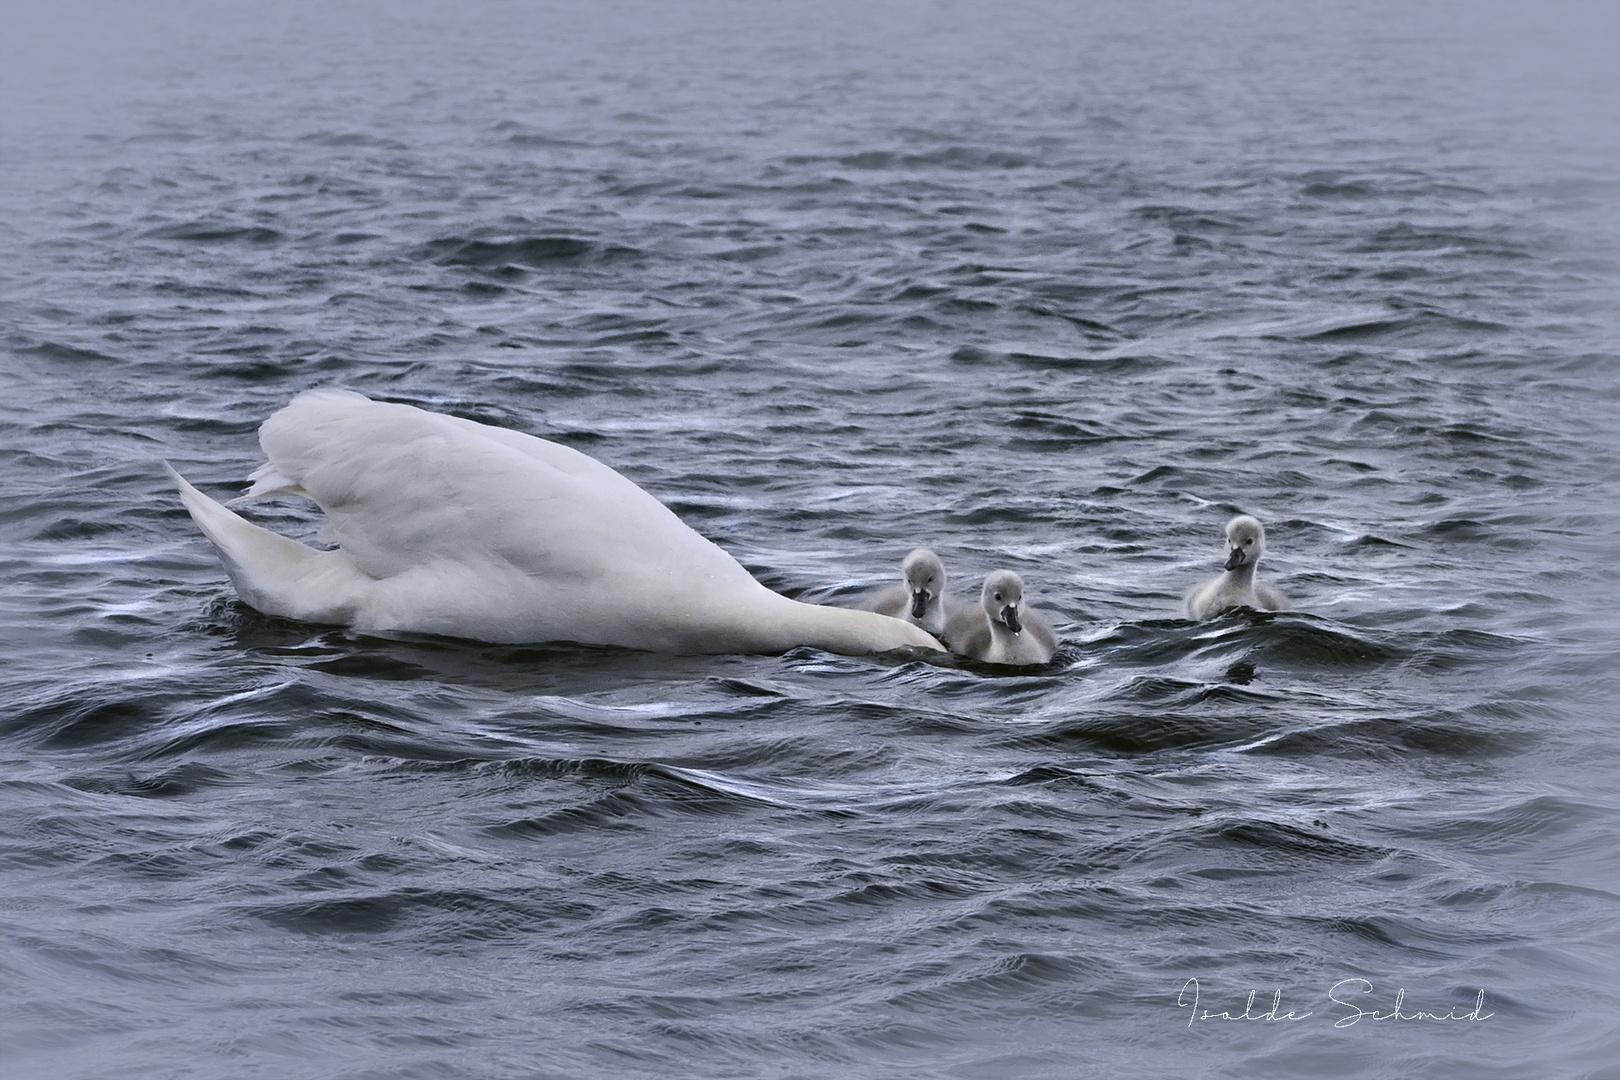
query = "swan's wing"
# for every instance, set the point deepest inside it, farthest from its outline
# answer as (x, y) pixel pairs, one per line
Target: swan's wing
(403, 488)
(266, 484)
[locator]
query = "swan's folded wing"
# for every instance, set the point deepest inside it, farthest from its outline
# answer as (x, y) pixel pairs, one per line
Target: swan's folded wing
(267, 482)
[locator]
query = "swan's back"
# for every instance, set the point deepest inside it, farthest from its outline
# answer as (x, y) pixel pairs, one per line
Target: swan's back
(402, 487)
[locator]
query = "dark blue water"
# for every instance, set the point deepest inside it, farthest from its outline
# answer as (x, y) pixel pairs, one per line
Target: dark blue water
(1056, 287)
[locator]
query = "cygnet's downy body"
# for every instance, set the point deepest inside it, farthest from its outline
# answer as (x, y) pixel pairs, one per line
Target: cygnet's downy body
(919, 599)
(1245, 543)
(1002, 629)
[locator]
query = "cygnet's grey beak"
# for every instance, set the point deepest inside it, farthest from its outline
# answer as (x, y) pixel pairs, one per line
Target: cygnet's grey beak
(1234, 560)
(919, 603)
(1009, 615)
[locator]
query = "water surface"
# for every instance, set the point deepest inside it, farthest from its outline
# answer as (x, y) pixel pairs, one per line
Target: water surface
(1058, 288)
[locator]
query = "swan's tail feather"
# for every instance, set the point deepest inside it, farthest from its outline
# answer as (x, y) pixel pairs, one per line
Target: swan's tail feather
(272, 573)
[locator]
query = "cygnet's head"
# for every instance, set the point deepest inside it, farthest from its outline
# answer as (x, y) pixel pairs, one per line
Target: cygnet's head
(1003, 592)
(924, 576)
(1245, 541)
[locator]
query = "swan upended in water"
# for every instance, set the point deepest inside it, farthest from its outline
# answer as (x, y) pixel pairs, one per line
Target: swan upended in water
(1237, 587)
(919, 599)
(1001, 630)
(447, 526)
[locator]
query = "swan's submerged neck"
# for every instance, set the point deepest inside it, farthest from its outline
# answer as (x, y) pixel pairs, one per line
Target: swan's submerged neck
(789, 624)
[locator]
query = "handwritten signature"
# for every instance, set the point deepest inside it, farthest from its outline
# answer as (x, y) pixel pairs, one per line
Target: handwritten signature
(1191, 994)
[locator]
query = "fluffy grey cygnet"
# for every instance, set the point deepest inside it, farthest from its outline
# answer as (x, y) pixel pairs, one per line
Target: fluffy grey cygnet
(919, 599)
(1001, 630)
(1245, 543)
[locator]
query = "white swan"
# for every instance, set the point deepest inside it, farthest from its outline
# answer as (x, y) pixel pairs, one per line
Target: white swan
(447, 526)
(1245, 543)
(919, 599)
(999, 631)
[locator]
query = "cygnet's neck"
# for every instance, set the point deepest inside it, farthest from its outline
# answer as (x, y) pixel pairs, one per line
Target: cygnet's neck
(1004, 635)
(933, 616)
(1243, 575)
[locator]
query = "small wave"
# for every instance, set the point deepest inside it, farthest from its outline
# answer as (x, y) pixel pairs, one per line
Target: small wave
(993, 980)
(73, 354)
(1383, 738)
(1470, 530)
(638, 792)
(1520, 825)
(200, 232)
(440, 915)
(1371, 323)
(974, 355)
(1186, 219)
(1121, 732)
(749, 254)
(342, 139)
(82, 717)
(1342, 184)
(1170, 692)
(1057, 777)
(952, 157)
(1424, 323)
(533, 252)
(1408, 238)
(1286, 839)
(1090, 327)
(185, 779)
(1419, 937)
(1463, 647)
(535, 139)
(1305, 641)
(1291, 640)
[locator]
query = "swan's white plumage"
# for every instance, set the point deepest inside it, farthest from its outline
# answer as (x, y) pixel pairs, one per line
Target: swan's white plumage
(448, 526)
(1002, 629)
(1237, 587)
